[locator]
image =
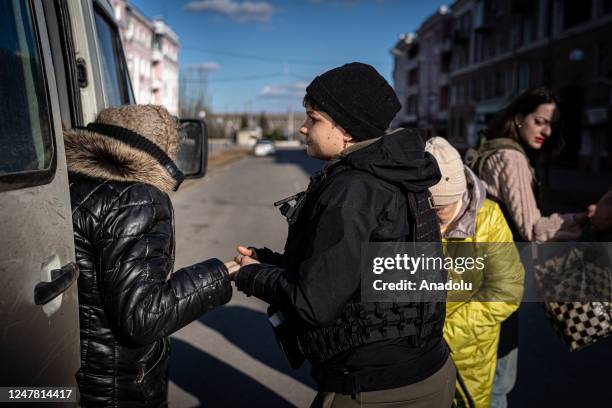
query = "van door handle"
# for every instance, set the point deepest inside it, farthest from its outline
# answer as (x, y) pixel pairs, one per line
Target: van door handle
(63, 278)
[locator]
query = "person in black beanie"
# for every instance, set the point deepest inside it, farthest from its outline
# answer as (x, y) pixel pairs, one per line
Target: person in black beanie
(374, 187)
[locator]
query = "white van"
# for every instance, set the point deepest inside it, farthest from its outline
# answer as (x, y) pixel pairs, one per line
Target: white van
(61, 61)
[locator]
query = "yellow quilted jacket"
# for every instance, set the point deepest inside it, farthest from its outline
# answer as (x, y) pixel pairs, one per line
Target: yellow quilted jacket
(473, 317)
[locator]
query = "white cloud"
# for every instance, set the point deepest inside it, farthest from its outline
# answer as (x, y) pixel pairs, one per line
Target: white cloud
(207, 66)
(240, 11)
(342, 2)
(294, 90)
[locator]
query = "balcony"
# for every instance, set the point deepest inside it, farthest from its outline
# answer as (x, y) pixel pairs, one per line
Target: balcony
(447, 46)
(156, 55)
(482, 17)
(483, 27)
(156, 84)
(460, 37)
(523, 6)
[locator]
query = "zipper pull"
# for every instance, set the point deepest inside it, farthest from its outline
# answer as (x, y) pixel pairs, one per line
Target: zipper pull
(140, 376)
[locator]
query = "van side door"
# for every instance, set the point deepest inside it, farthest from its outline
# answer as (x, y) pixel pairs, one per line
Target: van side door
(39, 343)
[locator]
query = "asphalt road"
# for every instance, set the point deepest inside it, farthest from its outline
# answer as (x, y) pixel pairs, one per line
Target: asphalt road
(229, 358)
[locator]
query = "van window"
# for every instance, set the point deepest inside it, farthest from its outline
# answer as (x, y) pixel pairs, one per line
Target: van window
(26, 138)
(115, 76)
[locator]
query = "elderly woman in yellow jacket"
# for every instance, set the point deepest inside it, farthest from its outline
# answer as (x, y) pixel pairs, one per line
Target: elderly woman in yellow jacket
(474, 227)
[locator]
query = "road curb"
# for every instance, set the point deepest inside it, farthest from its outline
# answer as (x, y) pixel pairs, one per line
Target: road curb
(226, 156)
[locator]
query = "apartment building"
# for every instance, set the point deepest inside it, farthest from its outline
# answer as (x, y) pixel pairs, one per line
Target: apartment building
(501, 48)
(421, 73)
(151, 48)
(498, 48)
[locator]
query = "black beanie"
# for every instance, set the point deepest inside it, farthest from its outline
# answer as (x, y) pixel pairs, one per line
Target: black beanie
(356, 97)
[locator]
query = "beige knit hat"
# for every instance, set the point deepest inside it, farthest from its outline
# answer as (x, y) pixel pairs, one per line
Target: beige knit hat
(452, 185)
(151, 121)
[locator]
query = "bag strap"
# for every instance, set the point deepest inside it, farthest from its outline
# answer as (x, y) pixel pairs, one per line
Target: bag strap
(477, 159)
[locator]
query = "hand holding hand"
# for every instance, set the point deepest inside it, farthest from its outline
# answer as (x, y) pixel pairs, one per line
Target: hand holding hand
(591, 210)
(245, 256)
(232, 268)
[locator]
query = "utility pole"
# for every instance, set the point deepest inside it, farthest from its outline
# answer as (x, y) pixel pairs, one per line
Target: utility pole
(247, 108)
(194, 90)
(289, 107)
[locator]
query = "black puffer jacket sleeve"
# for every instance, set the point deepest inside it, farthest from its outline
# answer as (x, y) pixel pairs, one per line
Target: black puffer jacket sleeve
(143, 300)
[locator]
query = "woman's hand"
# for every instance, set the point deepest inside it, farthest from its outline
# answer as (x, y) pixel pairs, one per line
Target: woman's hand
(245, 256)
(232, 268)
(591, 210)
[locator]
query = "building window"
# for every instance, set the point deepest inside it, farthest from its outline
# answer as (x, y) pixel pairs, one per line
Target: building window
(443, 100)
(478, 48)
(445, 62)
(516, 37)
(476, 88)
(412, 104)
(471, 91)
(528, 31)
(509, 85)
(602, 61)
(524, 76)
(497, 47)
(413, 76)
(499, 84)
(490, 90)
(576, 12)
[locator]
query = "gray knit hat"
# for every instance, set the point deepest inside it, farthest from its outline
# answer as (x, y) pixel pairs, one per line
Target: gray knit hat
(452, 185)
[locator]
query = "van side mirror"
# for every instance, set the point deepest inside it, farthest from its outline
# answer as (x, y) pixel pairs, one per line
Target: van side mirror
(192, 157)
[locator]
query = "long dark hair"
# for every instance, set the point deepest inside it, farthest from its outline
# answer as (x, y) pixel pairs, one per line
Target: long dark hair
(503, 123)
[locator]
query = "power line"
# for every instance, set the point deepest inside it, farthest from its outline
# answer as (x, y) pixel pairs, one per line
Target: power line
(267, 59)
(241, 78)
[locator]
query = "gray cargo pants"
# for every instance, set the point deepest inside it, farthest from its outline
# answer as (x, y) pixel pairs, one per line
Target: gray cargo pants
(437, 391)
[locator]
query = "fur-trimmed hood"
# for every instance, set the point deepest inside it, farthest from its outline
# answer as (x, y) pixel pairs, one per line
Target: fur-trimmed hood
(101, 157)
(97, 156)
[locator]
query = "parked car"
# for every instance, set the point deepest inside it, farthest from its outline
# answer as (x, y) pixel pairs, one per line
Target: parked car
(264, 147)
(62, 62)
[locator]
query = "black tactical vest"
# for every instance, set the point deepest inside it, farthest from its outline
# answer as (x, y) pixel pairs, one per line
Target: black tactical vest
(421, 324)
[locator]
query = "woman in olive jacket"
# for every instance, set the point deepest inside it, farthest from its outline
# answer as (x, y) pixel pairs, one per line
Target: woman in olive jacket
(374, 188)
(121, 169)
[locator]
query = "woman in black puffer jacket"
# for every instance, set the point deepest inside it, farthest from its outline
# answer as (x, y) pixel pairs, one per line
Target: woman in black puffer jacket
(121, 169)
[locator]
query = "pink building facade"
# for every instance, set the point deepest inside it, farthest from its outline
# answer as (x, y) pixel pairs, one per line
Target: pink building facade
(421, 74)
(151, 49)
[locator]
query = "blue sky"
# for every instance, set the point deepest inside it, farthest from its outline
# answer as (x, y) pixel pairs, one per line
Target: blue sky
(260, 54)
